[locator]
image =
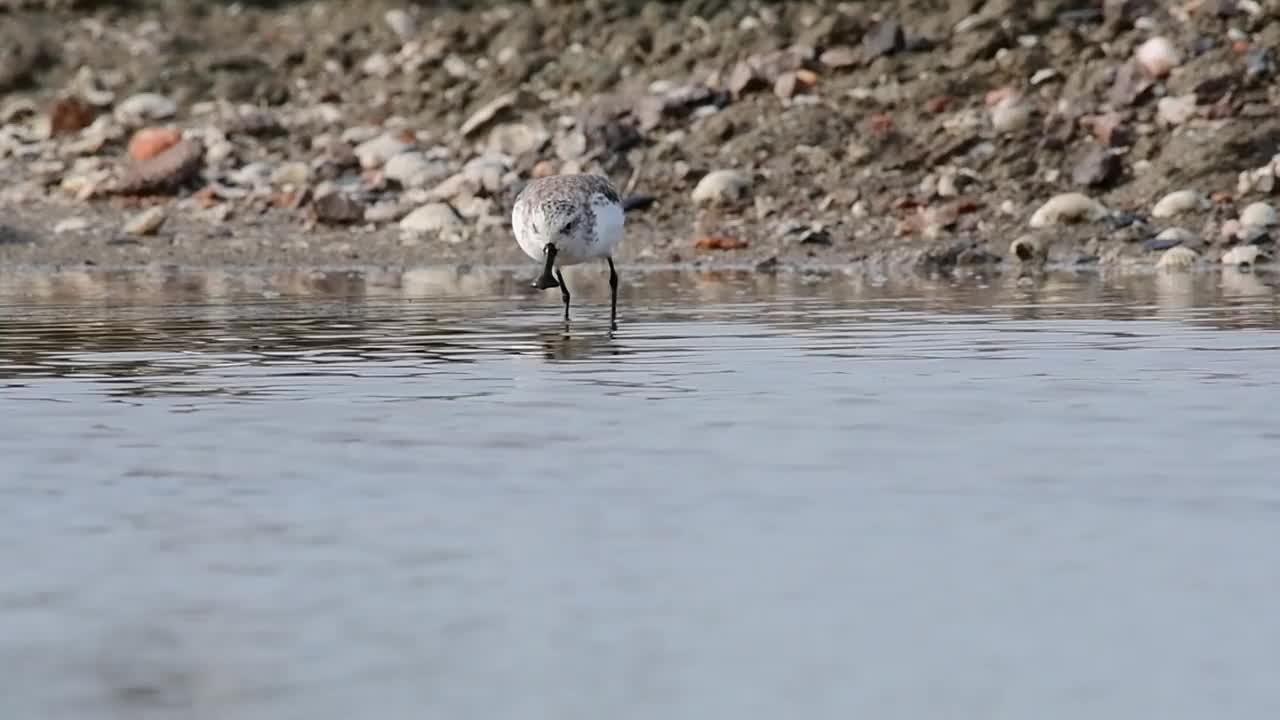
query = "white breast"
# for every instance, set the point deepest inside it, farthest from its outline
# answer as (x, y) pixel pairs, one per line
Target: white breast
(609, 221)
(526, 236)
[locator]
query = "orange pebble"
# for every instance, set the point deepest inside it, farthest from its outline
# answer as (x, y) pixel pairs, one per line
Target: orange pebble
(150, 142)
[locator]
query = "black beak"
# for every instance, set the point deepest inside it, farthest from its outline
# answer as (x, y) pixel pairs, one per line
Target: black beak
(547, 280)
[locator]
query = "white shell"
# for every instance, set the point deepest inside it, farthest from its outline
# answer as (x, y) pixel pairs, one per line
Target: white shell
(1258, 214)
(401, 23)
(1241, 255)
(376, 151)
(146, 222)
(1177, 234)
(1179, 202)
(1178, 258)
(432, 217)
(721, 186)
(1010, 115)
(1158, 56)
(1068, 208)
(145, 107)
(411, 169)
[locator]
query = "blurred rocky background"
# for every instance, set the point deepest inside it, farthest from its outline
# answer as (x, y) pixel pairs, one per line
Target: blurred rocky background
(933, 134)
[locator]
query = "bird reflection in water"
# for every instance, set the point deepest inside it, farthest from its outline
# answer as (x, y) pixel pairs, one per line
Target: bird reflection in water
(562, 346)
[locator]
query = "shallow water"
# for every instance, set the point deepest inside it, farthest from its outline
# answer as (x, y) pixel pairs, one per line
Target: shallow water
(332, 495)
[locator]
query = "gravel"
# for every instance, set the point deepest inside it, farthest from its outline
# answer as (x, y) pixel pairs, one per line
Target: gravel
(319, 133)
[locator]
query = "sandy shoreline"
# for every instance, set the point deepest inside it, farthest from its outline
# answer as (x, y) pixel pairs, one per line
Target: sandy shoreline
(969, 137)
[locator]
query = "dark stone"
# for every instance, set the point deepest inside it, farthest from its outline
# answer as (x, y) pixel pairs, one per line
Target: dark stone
(1255, 236)
(13, 236)
(1223, 8)
(1120, 14)
(1084, 16)
(616, 137)
(769, 265)
(638, 202)
(1098, 168)
(946, 255)
(1203, 44)
(917, 43)
(1120, 219)
(975, 255)
(1212, 89)
(816, 237)
(743, 78)
(337, 208)
(1157, 244)
(21, 54)
(885, 38)
(165, 172)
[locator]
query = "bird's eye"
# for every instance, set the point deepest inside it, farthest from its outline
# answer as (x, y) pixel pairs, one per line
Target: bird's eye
(568, 227)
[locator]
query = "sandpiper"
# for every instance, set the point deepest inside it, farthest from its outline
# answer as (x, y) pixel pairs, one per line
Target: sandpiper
(566, 220)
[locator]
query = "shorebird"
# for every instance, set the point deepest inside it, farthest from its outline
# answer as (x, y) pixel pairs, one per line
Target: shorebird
(566, 220)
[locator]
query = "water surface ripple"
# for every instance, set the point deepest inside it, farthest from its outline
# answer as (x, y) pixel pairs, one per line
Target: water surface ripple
(334, 495)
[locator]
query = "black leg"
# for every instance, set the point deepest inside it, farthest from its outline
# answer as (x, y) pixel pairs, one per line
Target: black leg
(545, 281)
(564, 293)
(613, 296)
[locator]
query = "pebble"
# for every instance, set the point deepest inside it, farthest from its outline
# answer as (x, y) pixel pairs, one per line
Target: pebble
(337, 208)
(255, 174)
(1170, 237)
(68, 116)
(151, 141)
(1258, 214)
(89, 87)
(885, 38)
(515, 139)
(376, 151)
(70, 225)
(432, 217)
(377, 65)
(487, 113)
(1242, 255)
(1029, 249)
(1180, 202)
(1158, 57)
(1178, 258)
(487, 171)
(721, 187)
(385, 212)
(1068, 208)
(1176, 110)
(1253, 235)
(401, 23)
(295, 174)
(167, 170)
(145, 107)
(357, 134)
(1099, 168)
(413, 169)
(1010, 115)
(1258, 63)
(147, 222)
(840, 56)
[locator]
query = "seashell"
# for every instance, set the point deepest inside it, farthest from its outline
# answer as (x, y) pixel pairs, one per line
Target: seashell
(1158, 57)
(1179, 202)
(1068, 208)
